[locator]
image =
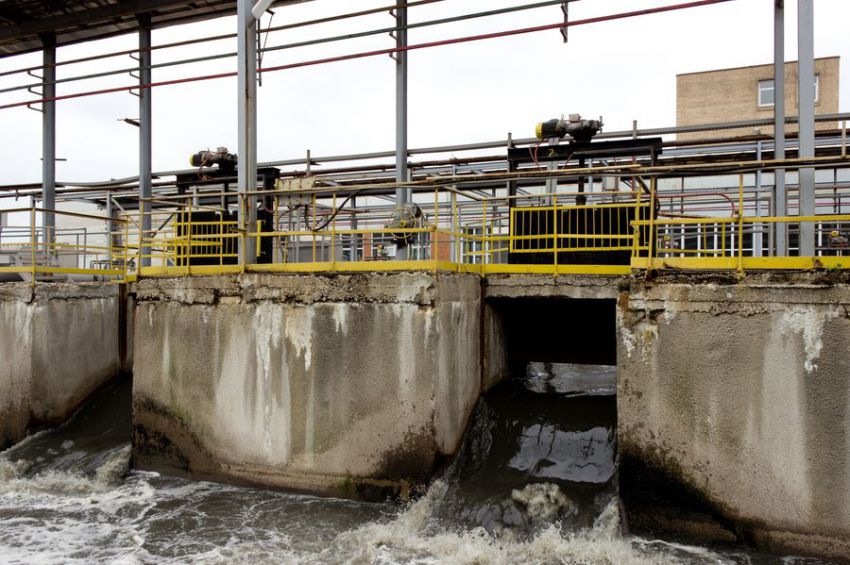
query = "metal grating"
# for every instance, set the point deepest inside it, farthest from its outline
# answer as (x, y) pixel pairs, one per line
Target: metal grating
(24, 23)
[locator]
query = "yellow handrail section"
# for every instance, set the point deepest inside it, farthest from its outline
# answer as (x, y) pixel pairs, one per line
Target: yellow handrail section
(630, 221)
(73, 246)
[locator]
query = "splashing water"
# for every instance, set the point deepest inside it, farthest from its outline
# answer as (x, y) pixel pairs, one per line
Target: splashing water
(66, 497)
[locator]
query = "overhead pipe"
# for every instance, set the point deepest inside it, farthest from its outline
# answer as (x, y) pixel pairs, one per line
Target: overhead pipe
(380, 52)
(397, 29)
(223, 36)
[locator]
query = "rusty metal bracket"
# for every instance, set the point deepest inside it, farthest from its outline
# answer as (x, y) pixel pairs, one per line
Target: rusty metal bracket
(393, 56)
(566, 10)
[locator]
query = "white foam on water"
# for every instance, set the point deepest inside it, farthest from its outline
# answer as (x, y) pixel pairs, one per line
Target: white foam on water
(67, 517)
(60, 517)
(542, 501)
(412, 538)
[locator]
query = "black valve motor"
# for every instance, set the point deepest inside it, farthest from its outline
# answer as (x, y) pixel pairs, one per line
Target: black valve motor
(580, 130)
(221, 157)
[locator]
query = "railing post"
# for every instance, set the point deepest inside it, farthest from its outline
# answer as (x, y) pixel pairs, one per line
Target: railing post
(435, 234)
(636, 227)
(32, 242)
(651, 243)
(556, 223)
(189, 237)
(454, 227)
(483, 234)
(125, 249)
(333, 234)
(312, 226)
(110, 227)
(740, 224)
(141, 246)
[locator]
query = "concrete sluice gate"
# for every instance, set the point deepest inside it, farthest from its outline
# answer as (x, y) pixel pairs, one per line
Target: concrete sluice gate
(699, 409)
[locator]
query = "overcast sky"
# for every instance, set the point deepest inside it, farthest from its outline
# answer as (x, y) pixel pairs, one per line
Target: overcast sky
(621, 70)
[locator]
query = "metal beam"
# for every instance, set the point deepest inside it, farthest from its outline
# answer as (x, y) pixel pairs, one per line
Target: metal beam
(780, 205)
(145, 129)
(48, 139)
(806, 96)
(401, 172)
(247, 127)
(111, 20)
(90, 17)
(260, 8)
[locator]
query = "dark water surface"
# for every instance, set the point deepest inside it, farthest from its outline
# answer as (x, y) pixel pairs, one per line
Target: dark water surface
(535, 483)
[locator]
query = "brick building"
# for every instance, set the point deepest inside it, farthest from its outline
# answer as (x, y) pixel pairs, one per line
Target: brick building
(747, 93)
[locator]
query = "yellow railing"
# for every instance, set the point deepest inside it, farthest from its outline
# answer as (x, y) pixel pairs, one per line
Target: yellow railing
(78, 246)
(742, 243)
(613, 232)
(732, 243)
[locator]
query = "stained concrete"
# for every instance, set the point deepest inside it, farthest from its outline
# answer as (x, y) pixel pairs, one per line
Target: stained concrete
(593, 287)
(736, 397)
(58, 342)
(349, 385)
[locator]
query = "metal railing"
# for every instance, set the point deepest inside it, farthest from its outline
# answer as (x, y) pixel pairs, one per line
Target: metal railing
(606, 220)
(564, 232)
(741, 242)
(92, 250)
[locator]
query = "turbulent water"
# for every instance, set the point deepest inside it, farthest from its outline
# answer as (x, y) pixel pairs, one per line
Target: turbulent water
(534, 483)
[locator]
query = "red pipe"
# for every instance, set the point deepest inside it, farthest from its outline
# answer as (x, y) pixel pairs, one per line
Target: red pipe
(365, 54)
(226, 36)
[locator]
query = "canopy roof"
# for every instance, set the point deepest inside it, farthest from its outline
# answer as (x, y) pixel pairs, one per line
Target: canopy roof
(24, 24)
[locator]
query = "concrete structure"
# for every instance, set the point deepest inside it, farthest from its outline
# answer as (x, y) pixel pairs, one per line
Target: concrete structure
(733, 411)
(732, 395)
(349, 385)
(744, 93)
(58, 343)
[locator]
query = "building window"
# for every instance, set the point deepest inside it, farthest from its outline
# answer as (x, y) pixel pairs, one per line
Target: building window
(766, 93)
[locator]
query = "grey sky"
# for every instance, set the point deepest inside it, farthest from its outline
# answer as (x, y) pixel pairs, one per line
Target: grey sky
(622, 70)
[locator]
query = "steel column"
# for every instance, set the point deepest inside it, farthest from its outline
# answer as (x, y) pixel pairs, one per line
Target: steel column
(780, 202)
(806, 96)
(247, 126)
(110, 227)
(401, 173)
(145, 133)
(757, 228)
(48, 140)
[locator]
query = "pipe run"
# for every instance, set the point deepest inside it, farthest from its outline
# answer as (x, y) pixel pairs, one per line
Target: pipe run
(380, 52)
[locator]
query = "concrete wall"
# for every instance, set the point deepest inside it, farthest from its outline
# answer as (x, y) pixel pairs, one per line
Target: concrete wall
(730, 95)
(58, 342)
(350, 385)
(737, 397)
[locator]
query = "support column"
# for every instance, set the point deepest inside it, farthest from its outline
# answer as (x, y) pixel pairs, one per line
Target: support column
(402, 195)
(247, 126)
(806, 96)
(757, 228)
(48, 140)
(145, 132)
(780, 206)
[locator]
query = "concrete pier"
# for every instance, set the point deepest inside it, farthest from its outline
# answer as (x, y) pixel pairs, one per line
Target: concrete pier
(58, 342)
(734, 402)
(733, 395)
(348, 385)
